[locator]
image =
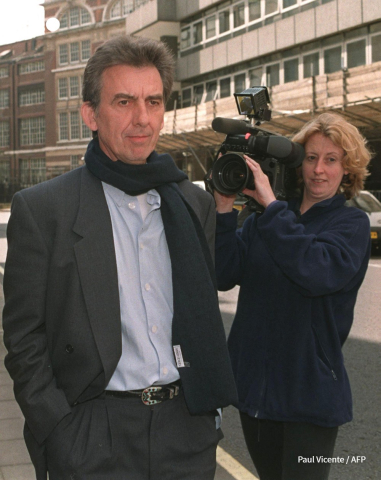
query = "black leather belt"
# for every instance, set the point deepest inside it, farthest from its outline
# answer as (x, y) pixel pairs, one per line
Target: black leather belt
(150, 395)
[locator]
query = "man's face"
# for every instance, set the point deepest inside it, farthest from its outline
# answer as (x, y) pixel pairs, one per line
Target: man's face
(131, 113)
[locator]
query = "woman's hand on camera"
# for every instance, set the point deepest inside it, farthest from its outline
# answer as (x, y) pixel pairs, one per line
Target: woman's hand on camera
(263, 193)
(224, 203)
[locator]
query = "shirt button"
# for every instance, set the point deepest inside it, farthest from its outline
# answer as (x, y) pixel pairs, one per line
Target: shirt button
(165, 370)
(141, 246)
(147, 286)
(131, 205)
(154, 329)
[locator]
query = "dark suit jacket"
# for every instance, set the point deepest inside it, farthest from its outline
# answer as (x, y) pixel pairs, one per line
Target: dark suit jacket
(62, 315)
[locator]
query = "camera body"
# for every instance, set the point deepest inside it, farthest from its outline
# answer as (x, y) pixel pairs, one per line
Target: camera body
(277, 155)
(230, 173)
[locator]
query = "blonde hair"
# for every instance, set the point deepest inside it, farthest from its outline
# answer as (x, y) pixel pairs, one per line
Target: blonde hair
(345, 135)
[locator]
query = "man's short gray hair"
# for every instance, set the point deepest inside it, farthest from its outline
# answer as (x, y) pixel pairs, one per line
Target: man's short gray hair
(127, 50)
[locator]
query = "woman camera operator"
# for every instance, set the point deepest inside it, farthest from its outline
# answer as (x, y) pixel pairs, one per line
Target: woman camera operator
(299, 265)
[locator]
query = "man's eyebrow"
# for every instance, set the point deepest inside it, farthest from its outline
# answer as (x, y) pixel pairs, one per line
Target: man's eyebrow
(126, 96)
(158, 96)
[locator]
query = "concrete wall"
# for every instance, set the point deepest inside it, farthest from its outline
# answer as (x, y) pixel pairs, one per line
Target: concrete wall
(149, 14)
(312, 24)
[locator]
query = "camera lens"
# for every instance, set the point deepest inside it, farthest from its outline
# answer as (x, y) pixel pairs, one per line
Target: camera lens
(230, 174)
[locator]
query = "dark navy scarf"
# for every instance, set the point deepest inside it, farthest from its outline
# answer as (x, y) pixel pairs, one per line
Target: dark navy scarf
(197, 325)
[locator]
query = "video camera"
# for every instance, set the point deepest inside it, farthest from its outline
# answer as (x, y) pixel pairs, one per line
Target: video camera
(277, 155)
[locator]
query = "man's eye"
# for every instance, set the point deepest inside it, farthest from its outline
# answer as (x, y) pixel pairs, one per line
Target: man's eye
(123, 102)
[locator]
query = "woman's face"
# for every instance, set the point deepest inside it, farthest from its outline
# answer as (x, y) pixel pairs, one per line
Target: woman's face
(322, 168)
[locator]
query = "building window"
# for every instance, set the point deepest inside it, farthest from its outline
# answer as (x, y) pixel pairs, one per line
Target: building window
(37, 170)
(32, 171)
(185, 38)
(4, 98)
(239, 83)
(122, 8)
(74, 161)
(225, 87)
(332, 60)
(311, 65)
(271, 6)
(72, 127)
(24, 173)
(31, 67)
(223, 21)
(376, 48)
(291, 70)
(289, 3)
(186, 100)
(75, 17)
(197, 33)
(254, 10)
(272, 75)
(32, 96)
(198, 93)
(85, 50)
(4, 133)
(4, 72)
(63, 54)
(62, 88)
(5, 171)
(211, 91)
(255, 76)
(231, 14)
(63, 126)
(32, 131)
(239, 15)
(75, 51)
(356, 53)
(74, 86)
(210, 27)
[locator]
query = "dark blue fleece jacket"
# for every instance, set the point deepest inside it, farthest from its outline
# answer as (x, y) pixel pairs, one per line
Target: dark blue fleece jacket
(299, 277)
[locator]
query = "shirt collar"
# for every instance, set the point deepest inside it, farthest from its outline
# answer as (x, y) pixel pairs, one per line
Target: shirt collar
(118, 196)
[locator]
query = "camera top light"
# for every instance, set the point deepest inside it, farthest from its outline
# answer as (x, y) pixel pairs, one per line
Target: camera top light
(253, 102)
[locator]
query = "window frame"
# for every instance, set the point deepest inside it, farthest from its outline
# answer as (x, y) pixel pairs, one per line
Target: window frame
(35, 134)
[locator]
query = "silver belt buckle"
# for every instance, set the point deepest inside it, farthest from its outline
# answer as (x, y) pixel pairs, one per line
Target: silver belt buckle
(146, 396)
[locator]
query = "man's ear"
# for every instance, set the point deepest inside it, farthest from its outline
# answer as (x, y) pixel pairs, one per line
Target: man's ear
(88, 115)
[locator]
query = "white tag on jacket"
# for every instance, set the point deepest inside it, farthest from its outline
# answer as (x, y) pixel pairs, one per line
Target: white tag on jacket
(178, 356)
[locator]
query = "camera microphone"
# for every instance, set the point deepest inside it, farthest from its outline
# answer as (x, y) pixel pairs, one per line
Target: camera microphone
(232, 127)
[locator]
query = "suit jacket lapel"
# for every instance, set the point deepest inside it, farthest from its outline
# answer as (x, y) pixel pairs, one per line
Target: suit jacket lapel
(95, 254)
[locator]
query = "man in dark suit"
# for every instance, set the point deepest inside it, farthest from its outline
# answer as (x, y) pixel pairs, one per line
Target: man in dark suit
(111, 321)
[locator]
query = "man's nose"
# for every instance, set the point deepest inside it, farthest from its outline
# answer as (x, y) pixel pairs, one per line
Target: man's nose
(140, 114)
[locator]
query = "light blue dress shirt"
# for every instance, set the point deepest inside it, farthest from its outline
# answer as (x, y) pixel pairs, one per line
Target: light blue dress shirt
(145, 291)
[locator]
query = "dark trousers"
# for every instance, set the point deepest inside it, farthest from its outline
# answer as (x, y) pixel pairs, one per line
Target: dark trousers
(123, 439)
(288, 450)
